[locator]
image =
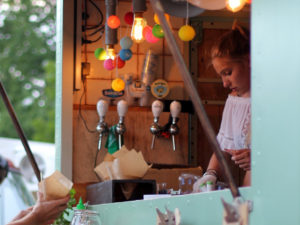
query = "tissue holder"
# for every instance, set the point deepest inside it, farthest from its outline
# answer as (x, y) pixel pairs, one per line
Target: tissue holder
(119, 190)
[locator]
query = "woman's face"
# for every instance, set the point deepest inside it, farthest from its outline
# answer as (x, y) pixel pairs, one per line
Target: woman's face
(235, 74)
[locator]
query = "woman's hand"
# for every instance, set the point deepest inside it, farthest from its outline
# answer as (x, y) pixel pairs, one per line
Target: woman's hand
(43, 212)
(46, 212)
(22, 214)
(210, 175)
(241, 157)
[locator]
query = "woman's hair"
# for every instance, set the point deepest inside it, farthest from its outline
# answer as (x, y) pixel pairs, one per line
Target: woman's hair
(233, 44)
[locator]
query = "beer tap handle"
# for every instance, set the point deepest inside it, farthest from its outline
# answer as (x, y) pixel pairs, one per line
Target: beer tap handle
(122, 108)
(175, 109)
(157, 108)
(102, 108)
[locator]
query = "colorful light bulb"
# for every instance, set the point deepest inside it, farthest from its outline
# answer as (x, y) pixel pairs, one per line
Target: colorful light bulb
(109, 64)
(119, 62)
(156, 19)
(100, 54)
(147, 32)
(186, 33)
(139, 23)
(118, 84)
(125, 54)
(157, 31)
(113, 22)
(126, 42)
(128, 18)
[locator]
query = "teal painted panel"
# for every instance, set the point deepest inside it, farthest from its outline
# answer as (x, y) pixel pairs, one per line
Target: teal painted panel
(276, 112)
(203, 208)
(275, 131)
(58, 78)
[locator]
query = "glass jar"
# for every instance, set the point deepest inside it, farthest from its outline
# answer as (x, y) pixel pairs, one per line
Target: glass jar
(186, 182)
(79, 217)
(92, 218)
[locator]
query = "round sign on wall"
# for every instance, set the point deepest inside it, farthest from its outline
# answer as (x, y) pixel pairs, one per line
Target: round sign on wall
(160, 88)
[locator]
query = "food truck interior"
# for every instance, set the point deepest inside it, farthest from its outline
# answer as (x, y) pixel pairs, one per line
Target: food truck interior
(192, 150)
(93, 94)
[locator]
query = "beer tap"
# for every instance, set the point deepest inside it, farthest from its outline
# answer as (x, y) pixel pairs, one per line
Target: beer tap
(122, 108)
(157, 108)
(175, 109)
(102, 107)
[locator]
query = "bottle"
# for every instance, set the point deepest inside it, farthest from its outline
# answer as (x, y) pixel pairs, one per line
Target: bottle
(203, 187)
(209, 186)
(79, 217)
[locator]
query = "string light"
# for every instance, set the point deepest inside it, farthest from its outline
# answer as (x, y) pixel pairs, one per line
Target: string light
(157, 31)
(113, 22)
(100, 53)
(186, 32)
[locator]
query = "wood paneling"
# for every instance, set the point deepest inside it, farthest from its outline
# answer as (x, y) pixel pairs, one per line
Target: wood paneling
(211, 90)
(137, 136)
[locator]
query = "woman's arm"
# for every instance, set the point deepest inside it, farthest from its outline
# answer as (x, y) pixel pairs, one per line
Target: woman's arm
(214, 165)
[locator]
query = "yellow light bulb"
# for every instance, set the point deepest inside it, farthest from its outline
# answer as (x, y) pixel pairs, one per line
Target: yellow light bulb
(110, 52)
(235, 5)
(139, 23)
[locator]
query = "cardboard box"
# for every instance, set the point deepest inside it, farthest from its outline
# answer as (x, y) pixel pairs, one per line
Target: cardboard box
(170, 176)
(119, 191)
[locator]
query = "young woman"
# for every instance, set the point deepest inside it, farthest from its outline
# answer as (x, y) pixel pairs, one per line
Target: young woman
(231, 60)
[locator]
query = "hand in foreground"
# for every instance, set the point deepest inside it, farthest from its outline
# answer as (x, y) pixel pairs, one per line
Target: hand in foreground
(241, 157)
(43, 212)
(46, 212)
(22, 214)
(206, 177)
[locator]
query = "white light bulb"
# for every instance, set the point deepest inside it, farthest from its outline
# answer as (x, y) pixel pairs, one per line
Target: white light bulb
(110, 52)
(139, 23)
(235, 5)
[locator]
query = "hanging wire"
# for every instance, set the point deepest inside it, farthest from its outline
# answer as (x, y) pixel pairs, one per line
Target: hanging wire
(97, 29)
(101, 17)
(80, 112)
(117, 61)
(187, 13)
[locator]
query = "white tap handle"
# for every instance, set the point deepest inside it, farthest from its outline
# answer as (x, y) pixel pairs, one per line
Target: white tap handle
(102, 107)
(122, 108)
(157, 108)
(175, 109)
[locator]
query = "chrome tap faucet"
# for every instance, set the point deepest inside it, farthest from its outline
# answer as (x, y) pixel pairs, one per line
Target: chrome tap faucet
(102, 108)
(175, 109)
(122, 108)
(155, 129)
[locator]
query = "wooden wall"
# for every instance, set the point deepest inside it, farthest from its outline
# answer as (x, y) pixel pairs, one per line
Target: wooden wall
(210, 86)
(138, 119)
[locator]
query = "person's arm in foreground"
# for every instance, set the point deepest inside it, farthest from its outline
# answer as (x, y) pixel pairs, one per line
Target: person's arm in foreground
(43, 212)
